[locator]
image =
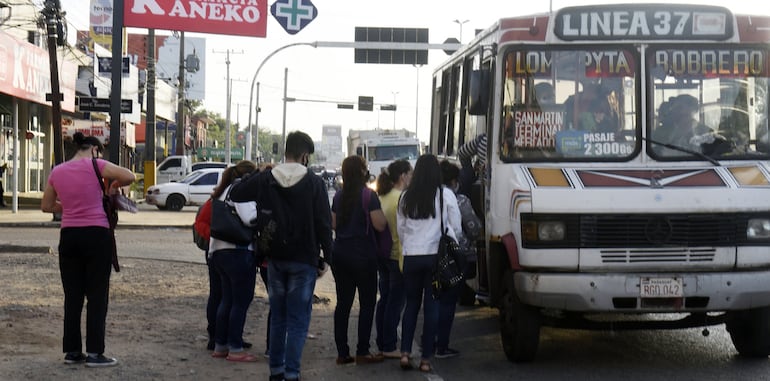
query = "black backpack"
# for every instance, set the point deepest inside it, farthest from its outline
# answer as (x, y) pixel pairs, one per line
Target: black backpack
(274, 219)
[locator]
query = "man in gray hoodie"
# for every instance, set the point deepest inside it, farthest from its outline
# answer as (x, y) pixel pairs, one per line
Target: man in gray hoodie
(293, 264)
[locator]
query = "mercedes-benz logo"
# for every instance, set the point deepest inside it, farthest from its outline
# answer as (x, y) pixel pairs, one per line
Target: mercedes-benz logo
(658, 230)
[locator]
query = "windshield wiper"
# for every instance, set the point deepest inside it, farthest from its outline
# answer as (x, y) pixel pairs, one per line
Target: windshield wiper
(685, 150)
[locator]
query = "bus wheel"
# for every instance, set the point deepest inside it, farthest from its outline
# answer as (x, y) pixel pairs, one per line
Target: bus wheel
(519, 325)
(750, 331)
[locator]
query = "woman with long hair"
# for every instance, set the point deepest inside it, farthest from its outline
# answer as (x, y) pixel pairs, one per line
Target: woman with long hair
(236, 266)
(354, 261)
(390, 183)
(85, 242)
(423, 205)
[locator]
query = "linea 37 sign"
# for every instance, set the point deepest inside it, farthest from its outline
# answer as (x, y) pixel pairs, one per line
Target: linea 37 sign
(232, 17)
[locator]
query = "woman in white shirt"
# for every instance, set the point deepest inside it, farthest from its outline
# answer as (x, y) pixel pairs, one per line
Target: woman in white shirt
(419, 227)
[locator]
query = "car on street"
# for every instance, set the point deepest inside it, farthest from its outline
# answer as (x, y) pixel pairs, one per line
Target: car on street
(194, 189)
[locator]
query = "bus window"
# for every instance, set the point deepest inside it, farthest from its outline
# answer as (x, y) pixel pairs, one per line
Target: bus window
(711, 100)
(569, 105)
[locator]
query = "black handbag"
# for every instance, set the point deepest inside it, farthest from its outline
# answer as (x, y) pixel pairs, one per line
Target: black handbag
(448, 268)
(226, 225)
(112, 217)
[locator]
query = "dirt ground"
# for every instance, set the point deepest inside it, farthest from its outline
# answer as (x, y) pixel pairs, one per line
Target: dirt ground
(155, 327)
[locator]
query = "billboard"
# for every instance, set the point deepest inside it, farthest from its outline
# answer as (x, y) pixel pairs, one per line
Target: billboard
(241, 18)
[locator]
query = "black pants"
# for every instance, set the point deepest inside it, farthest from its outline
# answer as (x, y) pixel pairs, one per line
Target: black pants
(353, 272)
(85, 263)
(2, 190)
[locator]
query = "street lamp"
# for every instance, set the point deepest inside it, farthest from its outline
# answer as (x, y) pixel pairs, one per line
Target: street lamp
(460, 23)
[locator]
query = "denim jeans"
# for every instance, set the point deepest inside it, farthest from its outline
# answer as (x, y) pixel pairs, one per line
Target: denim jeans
(446, 315)
(85, 265)
(390, 305)
(291, 302)
(352, 272)
(418, 271)
(238, 270)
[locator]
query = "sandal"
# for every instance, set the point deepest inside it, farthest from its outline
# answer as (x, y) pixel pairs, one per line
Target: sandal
(405, 363)
(219, 355)
(241, 357)
(425, 366)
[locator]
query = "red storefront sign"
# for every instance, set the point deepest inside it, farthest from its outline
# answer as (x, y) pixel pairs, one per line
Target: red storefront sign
(233, 17)
(25, 72)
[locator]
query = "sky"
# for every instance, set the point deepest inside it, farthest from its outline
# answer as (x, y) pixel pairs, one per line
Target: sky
(329, 74)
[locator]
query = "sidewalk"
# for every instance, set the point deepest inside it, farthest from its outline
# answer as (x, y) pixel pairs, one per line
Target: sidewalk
(147, 217)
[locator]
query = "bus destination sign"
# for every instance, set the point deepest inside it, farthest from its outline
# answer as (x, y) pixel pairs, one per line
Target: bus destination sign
(644, 21)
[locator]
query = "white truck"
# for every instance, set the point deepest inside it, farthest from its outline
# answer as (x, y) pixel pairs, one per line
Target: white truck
(173, 168)
(382, 147)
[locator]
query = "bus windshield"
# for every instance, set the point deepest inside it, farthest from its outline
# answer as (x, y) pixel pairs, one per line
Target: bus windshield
(708, 100)
(569, 104)
(395, 152)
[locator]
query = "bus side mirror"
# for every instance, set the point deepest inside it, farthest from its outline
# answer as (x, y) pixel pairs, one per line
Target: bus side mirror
(478, 92)
(275, 148)
(359, 151)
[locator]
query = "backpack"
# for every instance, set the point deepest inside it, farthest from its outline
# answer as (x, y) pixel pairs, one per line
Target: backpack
(274, 219)
(202, 225)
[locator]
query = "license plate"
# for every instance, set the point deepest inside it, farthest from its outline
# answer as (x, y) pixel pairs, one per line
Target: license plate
(661, 288)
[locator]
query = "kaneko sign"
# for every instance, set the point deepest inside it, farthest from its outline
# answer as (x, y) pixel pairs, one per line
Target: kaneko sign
(233, 17)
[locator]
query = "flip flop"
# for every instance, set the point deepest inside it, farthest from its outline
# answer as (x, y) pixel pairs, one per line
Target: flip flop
(425, 367)
(241, 357)
(219, 355)
(405, 363)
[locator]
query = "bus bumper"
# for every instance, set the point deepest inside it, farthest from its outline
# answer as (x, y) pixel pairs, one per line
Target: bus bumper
(622, 293)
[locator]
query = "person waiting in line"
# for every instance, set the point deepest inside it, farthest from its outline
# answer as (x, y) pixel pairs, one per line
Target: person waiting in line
(293, 270)
(390, 183)
(85, 242)
(355, 259)
(471, 172)
(424, 202)
(466, 238)
(236, 266)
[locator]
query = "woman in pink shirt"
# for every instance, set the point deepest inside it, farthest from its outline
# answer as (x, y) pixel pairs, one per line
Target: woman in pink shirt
(85, 259)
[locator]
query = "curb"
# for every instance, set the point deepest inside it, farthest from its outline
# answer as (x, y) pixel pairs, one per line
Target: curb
(8, 249)
(52, 224)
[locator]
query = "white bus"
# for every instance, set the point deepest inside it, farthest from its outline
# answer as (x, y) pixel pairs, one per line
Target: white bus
(627, 170)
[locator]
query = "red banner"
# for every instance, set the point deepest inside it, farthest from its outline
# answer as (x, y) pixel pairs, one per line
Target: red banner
(233, 17)
(25, 72)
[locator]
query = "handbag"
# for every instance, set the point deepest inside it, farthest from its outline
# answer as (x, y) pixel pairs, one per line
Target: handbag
(112, 216)
(226, 225)
(383, 240)
(447, 269)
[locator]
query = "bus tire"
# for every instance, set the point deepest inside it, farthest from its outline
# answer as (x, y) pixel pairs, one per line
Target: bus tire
(750, 331)
(519, 325)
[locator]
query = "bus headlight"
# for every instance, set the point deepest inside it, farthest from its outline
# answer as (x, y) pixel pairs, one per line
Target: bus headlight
(758, 228)
(550, 231)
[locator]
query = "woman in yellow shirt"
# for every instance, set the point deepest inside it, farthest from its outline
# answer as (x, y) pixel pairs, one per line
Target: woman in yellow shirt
(391, 283)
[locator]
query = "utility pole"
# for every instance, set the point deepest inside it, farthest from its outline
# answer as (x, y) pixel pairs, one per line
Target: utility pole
(52, 13)
(228, 156)
(180, 117)
(285, 88)
(149, 130)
